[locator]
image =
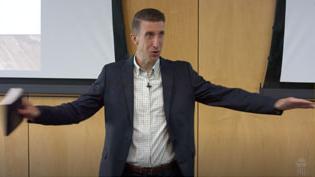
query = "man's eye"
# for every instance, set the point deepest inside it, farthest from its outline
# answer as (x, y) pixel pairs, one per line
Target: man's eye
(150, 35)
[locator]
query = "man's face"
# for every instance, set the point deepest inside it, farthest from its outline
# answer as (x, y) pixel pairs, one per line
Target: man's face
(149, 40)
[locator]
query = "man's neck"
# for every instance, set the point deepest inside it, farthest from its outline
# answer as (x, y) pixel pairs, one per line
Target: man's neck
(145, 64)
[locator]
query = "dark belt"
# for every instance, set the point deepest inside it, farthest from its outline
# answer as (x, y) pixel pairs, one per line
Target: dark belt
(150, 170)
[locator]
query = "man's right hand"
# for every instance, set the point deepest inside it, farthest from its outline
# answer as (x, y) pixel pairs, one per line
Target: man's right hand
(28, 110)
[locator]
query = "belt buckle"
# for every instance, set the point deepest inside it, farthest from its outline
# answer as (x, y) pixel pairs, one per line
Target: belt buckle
(151, 171)
(148, 171)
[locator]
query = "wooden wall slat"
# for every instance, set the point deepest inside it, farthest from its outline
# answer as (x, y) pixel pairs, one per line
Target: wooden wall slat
(14, 151)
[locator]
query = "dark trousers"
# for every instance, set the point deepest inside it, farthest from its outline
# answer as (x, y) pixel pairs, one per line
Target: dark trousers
(171, 172)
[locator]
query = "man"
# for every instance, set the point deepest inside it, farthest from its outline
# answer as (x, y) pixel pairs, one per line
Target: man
(149, 105)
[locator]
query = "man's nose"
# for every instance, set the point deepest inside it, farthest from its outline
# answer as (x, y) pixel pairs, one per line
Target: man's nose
(156, 42)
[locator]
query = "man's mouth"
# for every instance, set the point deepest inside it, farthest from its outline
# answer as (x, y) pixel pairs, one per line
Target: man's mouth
(155, 52)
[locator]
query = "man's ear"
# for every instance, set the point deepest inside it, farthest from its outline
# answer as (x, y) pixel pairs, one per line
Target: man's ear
(134, 38)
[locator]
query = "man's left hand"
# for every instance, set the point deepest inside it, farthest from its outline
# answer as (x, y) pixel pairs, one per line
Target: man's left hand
(293, 103)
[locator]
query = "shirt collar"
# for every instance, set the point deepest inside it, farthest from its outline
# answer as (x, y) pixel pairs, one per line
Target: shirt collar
(155, 68)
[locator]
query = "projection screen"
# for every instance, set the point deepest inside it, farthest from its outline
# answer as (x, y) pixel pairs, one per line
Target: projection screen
(60, 39)
(58, 46)
(299, 42)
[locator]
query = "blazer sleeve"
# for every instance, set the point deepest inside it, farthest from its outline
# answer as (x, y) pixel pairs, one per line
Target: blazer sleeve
(74, 112)
(232, 98)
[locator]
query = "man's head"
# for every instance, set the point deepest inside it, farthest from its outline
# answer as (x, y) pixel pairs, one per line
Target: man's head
(149, 15)
(147, 34)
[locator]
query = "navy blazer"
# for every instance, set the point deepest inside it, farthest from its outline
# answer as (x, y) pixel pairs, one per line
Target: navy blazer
(182, 86)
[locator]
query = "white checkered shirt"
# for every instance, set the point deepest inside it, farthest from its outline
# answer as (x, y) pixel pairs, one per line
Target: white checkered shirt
(151, 145)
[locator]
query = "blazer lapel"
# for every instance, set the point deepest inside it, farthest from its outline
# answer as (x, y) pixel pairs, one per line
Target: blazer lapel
(127, 78)
(167, 83)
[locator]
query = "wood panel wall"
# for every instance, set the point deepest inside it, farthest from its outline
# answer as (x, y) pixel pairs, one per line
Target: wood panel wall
(227, 42)
(70, 150)
(234, 43)
(14, 151)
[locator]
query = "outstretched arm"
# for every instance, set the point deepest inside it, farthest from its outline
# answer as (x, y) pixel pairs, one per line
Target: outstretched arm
(68, 113)
(238, 99)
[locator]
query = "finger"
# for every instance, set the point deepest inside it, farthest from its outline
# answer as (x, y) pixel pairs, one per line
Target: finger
(306, 105)
(25, 102)
(23, 113)
(26, 113)
(301, 101)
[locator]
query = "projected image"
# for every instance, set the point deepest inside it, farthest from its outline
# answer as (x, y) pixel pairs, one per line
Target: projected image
(20, 52)
(20, 35)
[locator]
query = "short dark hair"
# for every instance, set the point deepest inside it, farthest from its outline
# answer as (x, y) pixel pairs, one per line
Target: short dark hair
(148, 14)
